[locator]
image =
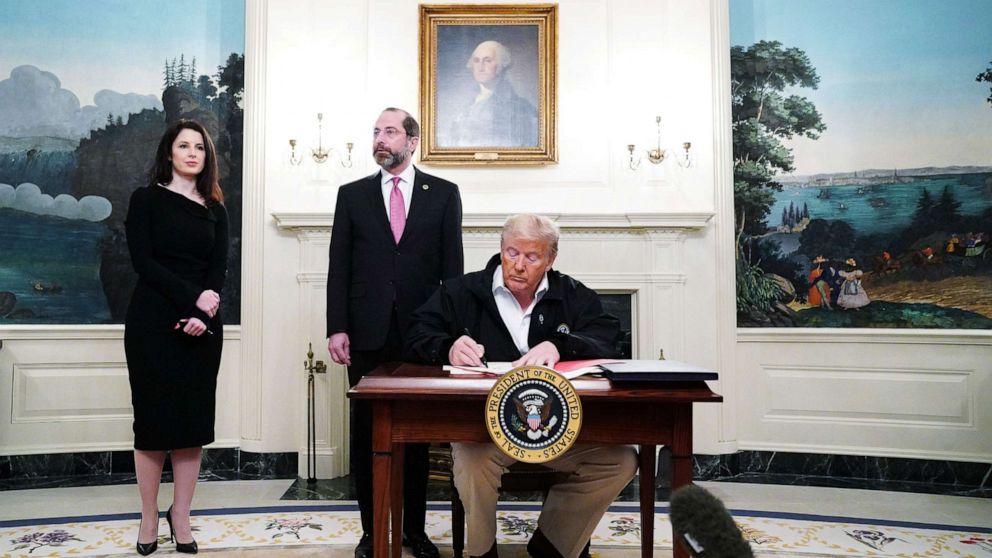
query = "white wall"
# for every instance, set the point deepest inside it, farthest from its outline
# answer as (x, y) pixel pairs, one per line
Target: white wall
(621, 63)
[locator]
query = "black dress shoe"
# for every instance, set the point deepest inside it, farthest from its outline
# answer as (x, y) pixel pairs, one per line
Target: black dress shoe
(145, 549)
(364, 548)
(491, 553)
(540, 547)
(185, 548)
(421, 546)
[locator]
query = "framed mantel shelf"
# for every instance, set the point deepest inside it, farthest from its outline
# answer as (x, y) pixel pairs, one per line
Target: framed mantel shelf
(303, 220)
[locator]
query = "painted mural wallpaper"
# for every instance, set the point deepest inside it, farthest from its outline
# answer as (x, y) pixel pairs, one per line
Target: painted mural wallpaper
(86, 90)
(862, 138)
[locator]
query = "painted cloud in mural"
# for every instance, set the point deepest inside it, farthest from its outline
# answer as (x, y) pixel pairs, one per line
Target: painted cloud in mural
(28, 197)
(33, 103)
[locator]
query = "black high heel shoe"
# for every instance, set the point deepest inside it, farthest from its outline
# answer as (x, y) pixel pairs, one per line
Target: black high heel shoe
(185, 548)
(145, 549)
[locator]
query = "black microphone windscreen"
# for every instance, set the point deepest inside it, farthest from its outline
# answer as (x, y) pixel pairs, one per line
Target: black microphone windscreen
(705, 525)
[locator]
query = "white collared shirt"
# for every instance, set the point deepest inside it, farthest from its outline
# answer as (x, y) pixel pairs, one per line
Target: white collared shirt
(484, 93)
(516, 319)
(405, 186)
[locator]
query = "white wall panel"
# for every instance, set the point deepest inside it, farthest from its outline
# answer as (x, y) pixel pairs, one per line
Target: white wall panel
(870, 396)
(65, 389)
(890, 392)
(68, 392)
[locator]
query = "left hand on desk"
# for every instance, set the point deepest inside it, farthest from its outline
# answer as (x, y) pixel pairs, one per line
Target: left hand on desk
(542, 354)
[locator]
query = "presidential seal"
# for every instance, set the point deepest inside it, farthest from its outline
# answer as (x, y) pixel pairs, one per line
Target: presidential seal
(533, 414)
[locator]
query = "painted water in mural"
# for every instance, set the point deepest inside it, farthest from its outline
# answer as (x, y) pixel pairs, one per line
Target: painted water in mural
(862, 184)
(73, 146)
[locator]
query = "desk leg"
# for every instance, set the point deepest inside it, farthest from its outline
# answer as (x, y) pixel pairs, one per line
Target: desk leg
(396, 496)
(382, 465)
(682, 459)
(646, 463)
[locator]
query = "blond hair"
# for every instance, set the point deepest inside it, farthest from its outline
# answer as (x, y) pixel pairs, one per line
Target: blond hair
(529, 226)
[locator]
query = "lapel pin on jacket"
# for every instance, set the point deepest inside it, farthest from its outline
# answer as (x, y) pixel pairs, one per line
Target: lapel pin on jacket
(425, 186)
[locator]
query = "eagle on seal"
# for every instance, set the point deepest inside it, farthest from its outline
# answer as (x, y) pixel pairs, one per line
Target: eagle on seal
(533, 411)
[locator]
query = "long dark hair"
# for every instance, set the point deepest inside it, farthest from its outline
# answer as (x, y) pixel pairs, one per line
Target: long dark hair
(208, 181)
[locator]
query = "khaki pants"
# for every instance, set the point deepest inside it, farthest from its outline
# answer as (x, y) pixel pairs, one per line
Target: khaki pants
(572, 509)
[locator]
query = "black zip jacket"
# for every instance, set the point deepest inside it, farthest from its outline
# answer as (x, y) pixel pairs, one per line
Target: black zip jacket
(569, 315)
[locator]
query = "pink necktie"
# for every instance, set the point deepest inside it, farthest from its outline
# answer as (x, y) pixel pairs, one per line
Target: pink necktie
(397, 213)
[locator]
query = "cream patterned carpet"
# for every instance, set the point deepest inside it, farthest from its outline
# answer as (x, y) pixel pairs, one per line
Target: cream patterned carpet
(333, 530)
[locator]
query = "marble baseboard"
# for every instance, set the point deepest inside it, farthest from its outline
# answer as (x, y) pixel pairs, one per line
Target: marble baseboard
(759, 467)
(117, 467)
(848, 471)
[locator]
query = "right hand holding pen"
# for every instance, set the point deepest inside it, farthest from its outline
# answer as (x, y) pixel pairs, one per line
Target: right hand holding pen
(466, 352)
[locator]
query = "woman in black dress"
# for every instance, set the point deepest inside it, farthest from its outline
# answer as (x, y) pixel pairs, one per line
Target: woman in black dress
(178, 239)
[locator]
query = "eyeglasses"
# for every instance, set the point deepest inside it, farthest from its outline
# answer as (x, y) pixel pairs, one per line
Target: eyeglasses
(390, 133)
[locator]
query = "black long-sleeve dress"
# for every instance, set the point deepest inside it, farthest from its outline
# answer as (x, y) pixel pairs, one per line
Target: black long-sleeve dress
(179, 249)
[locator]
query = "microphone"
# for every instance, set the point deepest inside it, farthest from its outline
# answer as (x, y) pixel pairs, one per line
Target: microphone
(705, 526)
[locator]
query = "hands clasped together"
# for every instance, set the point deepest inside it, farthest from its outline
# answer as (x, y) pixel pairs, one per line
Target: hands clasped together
(208, 302)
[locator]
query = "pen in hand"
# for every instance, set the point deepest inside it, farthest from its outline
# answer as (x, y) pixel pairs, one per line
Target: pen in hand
(481, 358)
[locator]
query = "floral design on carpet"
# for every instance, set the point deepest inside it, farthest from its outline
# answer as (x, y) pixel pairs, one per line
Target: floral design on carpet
(871, 538)
(41, 539)
(291, 526)
(626, 525)
(757, 536)
(516, 525)
(983, 544)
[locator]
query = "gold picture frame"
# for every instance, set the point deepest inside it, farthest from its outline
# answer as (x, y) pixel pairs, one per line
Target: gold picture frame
(488, 84)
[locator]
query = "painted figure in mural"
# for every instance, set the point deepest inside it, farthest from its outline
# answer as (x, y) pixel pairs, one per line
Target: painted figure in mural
(886, 264)
(852, 293)
(835, 281)
(494, 307)
(497, 116)
(953, 244)
(396, 235)
(177, 235)
(819, 279)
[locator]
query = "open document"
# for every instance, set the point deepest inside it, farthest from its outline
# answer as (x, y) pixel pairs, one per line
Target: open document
(570, 369)
(619, 371)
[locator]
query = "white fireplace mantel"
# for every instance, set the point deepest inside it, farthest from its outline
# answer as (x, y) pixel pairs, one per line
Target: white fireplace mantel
(643, 255)
(302, 220)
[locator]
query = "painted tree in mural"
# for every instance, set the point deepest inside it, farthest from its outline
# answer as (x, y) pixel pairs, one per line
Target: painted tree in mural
(114, 160)
(986, 76)
(763, 116)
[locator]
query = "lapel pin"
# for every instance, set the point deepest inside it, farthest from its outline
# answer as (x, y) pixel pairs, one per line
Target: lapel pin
(425, 187)
(540, 318)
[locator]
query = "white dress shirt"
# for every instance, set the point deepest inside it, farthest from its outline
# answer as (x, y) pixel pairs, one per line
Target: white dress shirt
(405, 186)
(516, 319)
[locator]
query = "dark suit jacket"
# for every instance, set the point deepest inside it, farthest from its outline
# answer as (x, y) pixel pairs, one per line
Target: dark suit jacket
(368, 270)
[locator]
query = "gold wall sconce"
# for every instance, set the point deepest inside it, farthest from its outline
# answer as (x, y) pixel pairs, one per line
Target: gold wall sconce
(319, 154)
(656, 155)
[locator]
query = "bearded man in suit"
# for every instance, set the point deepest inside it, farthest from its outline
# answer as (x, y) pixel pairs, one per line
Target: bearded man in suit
(396, 236)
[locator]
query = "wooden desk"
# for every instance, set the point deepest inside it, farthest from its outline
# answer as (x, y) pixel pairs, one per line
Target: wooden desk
(413, 403)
